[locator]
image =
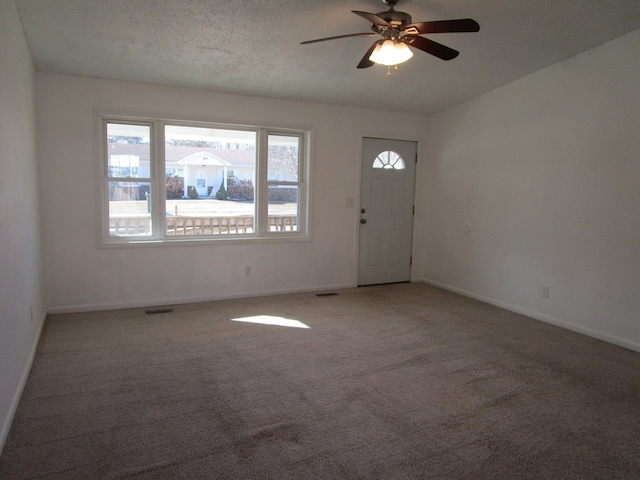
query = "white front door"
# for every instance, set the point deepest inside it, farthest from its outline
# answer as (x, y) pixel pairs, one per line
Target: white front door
(386, 211)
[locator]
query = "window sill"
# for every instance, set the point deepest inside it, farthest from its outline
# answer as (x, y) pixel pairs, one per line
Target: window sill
(182, 242)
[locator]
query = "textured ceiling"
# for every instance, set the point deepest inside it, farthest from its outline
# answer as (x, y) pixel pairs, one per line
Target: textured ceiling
(253, 46)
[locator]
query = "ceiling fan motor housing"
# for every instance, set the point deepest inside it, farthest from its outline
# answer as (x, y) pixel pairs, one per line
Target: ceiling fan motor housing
(394, 18)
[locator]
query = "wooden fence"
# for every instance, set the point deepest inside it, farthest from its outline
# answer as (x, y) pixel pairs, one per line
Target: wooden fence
(180, 225)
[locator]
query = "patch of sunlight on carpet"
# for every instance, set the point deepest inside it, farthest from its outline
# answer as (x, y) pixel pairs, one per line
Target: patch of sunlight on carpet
(271, 320)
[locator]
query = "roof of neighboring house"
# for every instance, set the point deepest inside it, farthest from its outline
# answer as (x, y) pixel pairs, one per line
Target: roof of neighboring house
(175, 154)
(203, 158)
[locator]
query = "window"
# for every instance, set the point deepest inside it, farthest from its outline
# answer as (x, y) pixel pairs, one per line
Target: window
(128, 179)
(389, 160)
(176, 181)
(283, 174)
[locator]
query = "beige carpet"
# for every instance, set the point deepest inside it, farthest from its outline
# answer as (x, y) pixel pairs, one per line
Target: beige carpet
(390, 382)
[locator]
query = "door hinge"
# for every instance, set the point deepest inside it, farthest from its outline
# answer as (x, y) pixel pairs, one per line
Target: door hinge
(410, 260)
(413, 210)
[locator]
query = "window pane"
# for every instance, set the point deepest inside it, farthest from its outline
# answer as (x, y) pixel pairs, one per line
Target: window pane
(210, 178)
(283, 161)
(128, 151)
(129, 209)
(283, 209)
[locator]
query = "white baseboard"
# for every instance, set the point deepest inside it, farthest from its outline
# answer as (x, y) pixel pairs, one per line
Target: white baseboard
(540, 316)
(13, 407)
(186, 300)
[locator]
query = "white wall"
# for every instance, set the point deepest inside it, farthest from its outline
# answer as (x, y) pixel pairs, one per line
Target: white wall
(537, 184)
(20, 266)
(80, 275)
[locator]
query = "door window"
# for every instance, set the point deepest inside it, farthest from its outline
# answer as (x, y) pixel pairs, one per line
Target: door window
(389, 160)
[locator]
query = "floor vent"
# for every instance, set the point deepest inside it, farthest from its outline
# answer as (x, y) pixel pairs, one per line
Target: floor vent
(159, 310)
(325, 294)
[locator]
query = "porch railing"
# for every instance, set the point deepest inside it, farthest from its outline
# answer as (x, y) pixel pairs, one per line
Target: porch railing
(180, 225)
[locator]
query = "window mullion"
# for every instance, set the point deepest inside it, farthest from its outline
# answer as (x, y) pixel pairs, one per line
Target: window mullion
(158, 210)
(262, 189)
(303, 199)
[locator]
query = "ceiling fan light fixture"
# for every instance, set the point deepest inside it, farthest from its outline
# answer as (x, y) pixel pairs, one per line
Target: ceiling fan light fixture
(391, 53)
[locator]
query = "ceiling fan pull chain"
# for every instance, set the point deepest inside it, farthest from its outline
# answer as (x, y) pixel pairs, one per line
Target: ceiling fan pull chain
(389, 69)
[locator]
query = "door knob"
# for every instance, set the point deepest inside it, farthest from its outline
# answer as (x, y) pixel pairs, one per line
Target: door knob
(363, 220)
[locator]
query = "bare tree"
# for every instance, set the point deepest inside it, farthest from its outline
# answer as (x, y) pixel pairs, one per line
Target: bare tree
(283, 160)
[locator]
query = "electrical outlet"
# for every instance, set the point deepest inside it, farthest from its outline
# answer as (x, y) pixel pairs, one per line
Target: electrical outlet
(545, 291)
(247, 270)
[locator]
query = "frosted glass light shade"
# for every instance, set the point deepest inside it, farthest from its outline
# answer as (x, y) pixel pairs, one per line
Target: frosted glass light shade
(391, 53)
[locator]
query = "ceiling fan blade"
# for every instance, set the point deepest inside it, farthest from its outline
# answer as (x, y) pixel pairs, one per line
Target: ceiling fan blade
(373, 18)
(429, 46)
(444, 26)
(365, 62)
(366, 34)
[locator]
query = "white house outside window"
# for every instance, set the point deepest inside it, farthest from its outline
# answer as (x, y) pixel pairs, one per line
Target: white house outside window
(174, 181)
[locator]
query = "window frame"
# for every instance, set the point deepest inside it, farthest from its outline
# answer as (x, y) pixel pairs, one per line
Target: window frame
(157, 183)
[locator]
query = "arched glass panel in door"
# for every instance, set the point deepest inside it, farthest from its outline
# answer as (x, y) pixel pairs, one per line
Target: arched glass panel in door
(389, 160)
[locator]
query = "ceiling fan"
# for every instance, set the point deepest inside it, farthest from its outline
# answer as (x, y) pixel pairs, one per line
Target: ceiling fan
(397, 31)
